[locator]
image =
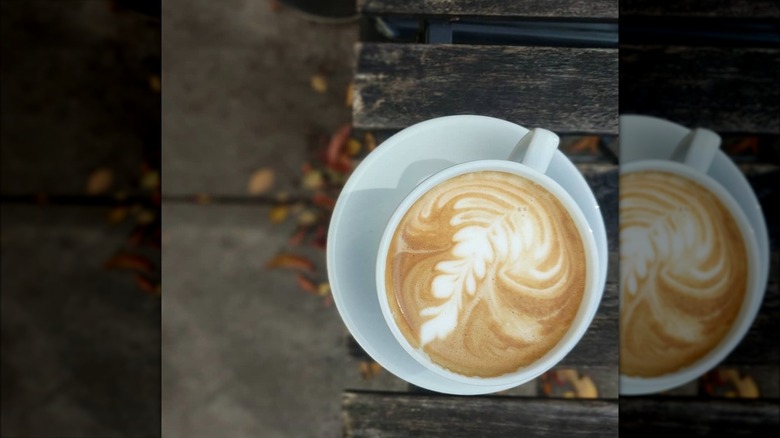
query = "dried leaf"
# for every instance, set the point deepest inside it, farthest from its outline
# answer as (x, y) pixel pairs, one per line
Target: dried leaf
(319, 83)
(261, 181)
(117, 214)
(588, 144)
(337, 142)
(369, 369)
(306, 284)
(99, 181)
(323, 289)
(312, 180)
(278, 213)
(748, 145)
(202, 198)
(282, 197)
(323, 201)
(154, 83)
(353, 147)
(291, 261)
(370, 141)
(350, 95)
(150, 180)
(297, 238)
(133, 262)
(145, 217)
(307, 217)
(147, 285)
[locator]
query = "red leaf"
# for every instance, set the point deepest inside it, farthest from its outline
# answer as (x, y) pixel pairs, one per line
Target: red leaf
(297, 238)
(324, 201)
(306, 284)
(147, 285)
(291, 261)
(133, 262)
(336, 145)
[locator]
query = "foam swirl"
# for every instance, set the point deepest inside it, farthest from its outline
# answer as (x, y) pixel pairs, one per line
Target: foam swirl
(486, 273)
(683, 272)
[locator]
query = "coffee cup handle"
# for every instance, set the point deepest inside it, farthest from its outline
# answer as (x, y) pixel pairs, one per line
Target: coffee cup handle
(536, 149)
(698, 149)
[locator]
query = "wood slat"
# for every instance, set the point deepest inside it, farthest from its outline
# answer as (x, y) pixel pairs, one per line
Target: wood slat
(509, 8)
(702, 8)
(649, 417)
(562, 89)
(372, 414)
(726, 89)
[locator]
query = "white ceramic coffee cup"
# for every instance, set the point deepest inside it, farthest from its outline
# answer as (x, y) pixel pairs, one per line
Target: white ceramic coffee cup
(691, 159)
(529, 159)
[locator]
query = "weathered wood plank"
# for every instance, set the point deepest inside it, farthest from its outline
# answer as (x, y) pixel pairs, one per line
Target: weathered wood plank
(565, 90)
(371, 414)
(702, 8)
(649, 417)
(489, 8)
(727, 89)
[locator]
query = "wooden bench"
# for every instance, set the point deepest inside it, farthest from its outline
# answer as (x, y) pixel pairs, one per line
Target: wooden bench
(570, 90)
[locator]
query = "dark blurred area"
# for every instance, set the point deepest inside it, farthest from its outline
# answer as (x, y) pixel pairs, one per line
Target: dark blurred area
(714, 64)
(80, 239)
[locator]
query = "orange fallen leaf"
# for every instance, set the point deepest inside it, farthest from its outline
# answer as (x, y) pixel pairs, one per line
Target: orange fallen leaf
(746, 145)
(260, 181)
(117, 214)
(353, 147)
(312, 180)
(291, 261)
(147, 285)
(202, 198)
(350, 95)
(370, 141)
(278, 213)
(306, 284)
(99, 181)
(319, 83)
(154, 83)
(307, 217)
(323, 289)
(133, 262)
(324, 201)
(369, 369)
(337, 142)
(297, 238)
(150, 180)
(588, 144)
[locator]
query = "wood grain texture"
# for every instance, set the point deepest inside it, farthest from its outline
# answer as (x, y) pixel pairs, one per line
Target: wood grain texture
(651, 416)
(724, 89)
(702, 8)
(373, 414)
(509, 8)
(562, 89)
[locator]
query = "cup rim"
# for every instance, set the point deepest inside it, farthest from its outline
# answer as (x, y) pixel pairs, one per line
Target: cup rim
(633, 385)
(585, 314)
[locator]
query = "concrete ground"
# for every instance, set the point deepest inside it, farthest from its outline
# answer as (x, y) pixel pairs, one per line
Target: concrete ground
(245, 352)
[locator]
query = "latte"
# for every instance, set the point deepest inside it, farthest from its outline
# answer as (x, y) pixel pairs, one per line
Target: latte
(683, 269)
(486, 273)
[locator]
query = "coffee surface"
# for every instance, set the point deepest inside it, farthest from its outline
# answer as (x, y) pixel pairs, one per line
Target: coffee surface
(683, 269)
(486, 273)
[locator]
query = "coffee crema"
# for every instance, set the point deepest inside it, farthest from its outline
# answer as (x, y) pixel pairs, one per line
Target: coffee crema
(486, 273)
(683, 269)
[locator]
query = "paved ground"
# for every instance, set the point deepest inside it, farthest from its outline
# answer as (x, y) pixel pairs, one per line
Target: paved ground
(244, 351)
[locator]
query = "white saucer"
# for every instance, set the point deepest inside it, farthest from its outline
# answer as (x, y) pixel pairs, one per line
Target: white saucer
(644, 138)
(368, 200)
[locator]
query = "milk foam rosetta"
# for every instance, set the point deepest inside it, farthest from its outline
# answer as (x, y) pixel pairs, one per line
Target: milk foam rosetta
(683, 270)
(486, 273)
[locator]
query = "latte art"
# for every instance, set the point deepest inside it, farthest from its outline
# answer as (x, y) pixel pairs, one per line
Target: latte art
(683, 268)
(486, 273)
